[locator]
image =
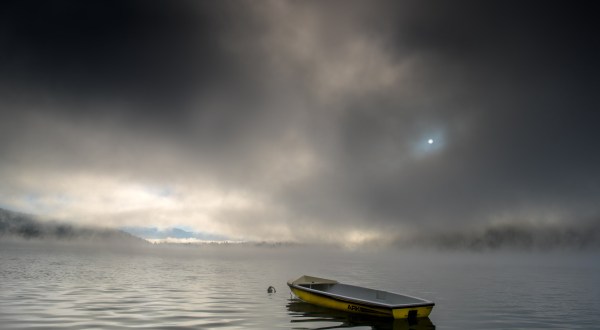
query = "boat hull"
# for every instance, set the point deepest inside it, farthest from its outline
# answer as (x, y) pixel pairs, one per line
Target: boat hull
(356, 307)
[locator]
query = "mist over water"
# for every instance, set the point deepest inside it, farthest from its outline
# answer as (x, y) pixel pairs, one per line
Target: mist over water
(77, 287)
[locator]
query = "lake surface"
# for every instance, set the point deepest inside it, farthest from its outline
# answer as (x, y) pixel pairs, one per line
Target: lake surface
(76, 287)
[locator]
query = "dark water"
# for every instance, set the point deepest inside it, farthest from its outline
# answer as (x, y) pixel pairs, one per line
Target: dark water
(68, 287)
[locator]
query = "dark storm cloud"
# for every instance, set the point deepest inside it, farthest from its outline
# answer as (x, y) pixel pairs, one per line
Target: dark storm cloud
(322, 110)
(113, 49)
(144, 63)
(130, 67)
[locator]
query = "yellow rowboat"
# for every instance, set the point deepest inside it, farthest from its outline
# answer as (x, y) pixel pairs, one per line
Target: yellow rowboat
(356, 299)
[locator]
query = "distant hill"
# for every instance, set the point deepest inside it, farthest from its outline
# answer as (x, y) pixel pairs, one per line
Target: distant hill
(24, 226)
(586, 236)
(177, 233)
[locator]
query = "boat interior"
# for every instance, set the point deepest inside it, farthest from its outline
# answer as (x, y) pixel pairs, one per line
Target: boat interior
(356, 292)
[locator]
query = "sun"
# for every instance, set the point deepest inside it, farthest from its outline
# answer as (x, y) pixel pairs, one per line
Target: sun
(430, 141)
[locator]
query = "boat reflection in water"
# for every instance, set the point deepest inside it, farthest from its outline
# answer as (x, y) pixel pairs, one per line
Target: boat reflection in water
(316, 317)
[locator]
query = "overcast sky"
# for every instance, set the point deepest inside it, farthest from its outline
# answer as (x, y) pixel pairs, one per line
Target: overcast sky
(305, 121)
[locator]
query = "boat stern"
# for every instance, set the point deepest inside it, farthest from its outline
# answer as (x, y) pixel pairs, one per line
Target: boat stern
(412, 312)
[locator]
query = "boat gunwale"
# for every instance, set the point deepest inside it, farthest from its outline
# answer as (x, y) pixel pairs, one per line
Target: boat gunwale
(424, 302)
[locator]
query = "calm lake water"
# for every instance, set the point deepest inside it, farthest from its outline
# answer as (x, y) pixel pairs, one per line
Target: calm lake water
(69, 287)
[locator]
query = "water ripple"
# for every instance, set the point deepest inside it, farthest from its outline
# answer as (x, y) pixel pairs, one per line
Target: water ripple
(44, 289)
